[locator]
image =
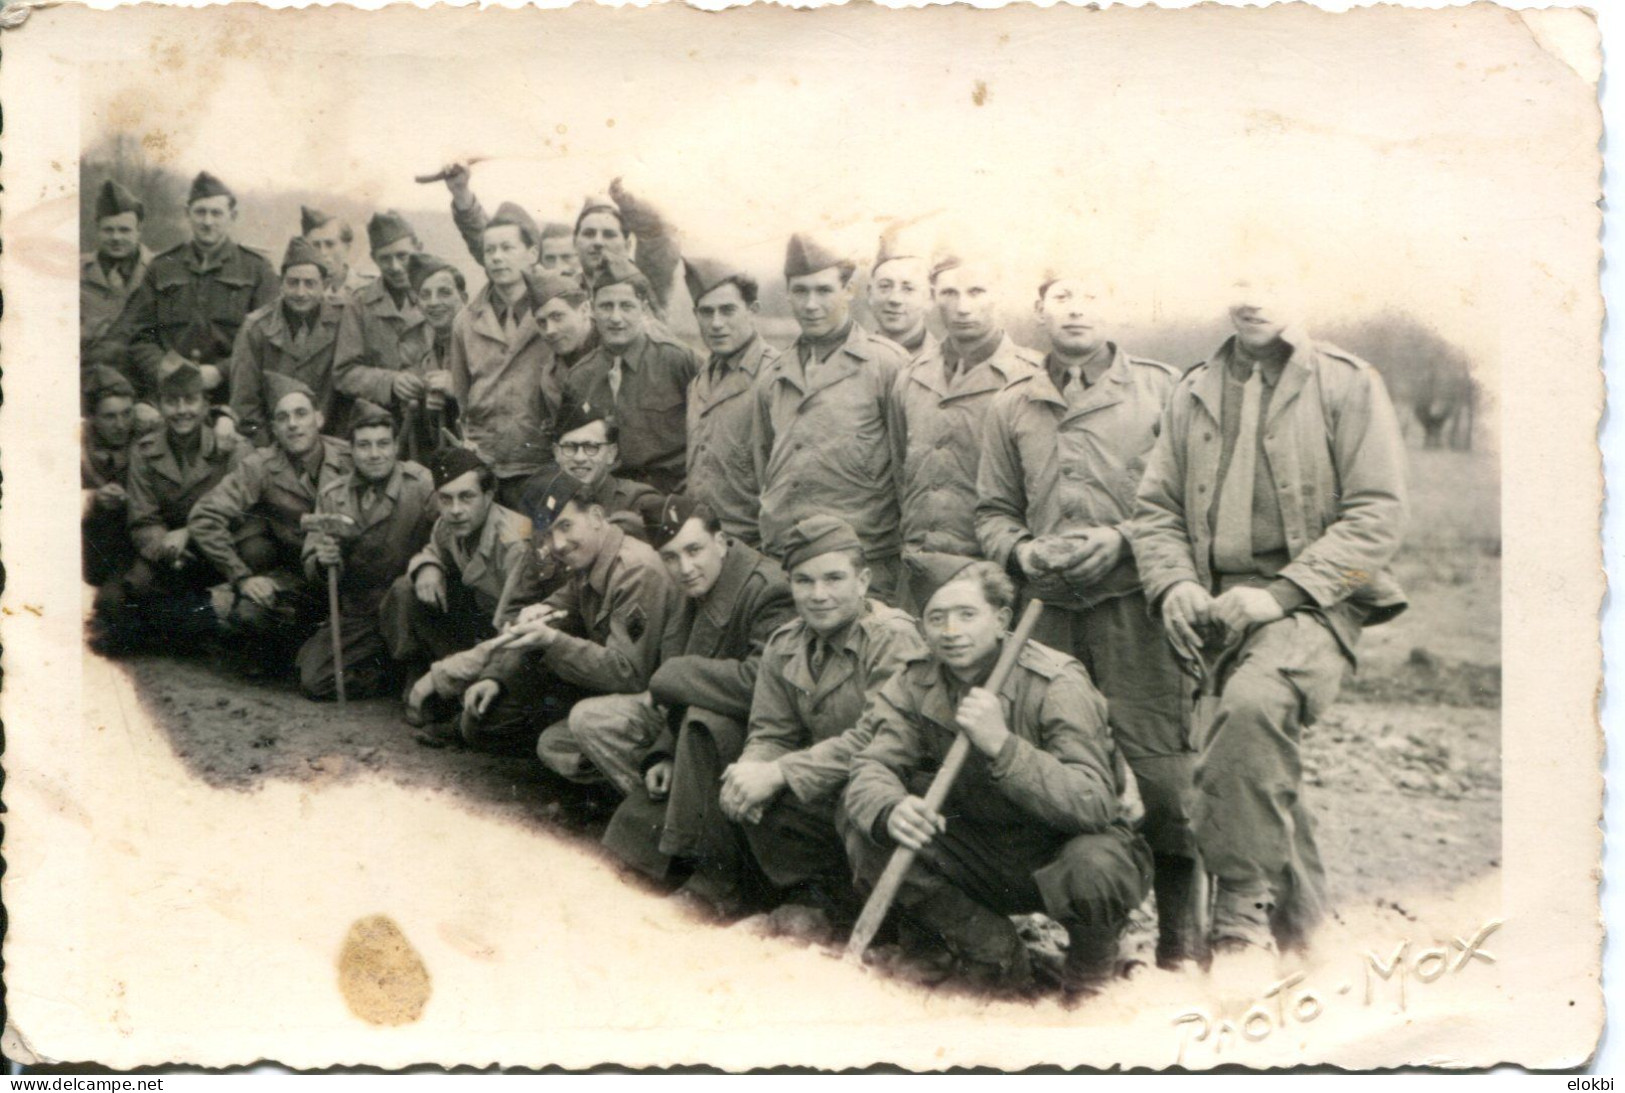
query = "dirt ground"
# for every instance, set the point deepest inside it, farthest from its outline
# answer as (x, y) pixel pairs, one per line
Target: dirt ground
(1403, 774)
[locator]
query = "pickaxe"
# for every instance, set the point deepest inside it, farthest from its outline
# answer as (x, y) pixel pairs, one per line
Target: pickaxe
(337, 527)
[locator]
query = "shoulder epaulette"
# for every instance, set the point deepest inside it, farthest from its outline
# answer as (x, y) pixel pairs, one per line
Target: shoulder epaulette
(1147, 362)
(785, 633)
(1343, 355)
(1044, 661)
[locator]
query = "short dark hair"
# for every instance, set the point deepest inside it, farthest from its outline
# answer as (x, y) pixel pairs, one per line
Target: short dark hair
(346, 233)
(704, 514)
(845, 267)
(640, 287)
(616, 213)
(749, 290)
(358, 423)
(457, 278)
(997, 588)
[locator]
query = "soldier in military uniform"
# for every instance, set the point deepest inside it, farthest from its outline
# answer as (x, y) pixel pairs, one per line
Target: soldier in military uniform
(588, 449)
(268, 597)
(379, 319)
(294, 336)
(563, 310)
(821, 431)
(1063, 450)
(1271, 505)
(721, 473)
(195, 296)
(332, 239)
(815, 677)
(599, 634)
(164, 595)
(937, 413)
(1038, 817)
(899, 296)
(643, 375)
(390, 506)
(111, 272)
(695, 710)
(441, 292)
(105, 441)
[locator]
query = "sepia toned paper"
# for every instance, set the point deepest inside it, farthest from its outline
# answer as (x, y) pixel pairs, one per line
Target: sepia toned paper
(184, 884)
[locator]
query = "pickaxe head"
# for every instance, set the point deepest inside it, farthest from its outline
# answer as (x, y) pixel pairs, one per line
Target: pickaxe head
(335, 524)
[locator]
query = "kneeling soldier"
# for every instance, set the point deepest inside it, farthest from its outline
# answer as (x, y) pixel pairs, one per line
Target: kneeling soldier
(1038, 823)
(387, 509)
(816, 674)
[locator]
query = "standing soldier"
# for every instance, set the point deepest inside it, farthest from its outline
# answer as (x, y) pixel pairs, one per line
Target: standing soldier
(821, 433)
(815, 677)
(104, 461)
(900, 298)
(1039, 821)
(563, 310)
(644, 376)
(196, 295)
(1270, 508)
(368, 359)
(108, 275)
(390, 508)
(937, 413)
(1062, 452)
(332, 239)
(721, 473)
(441, 293)
(293, 335)
(271, 490)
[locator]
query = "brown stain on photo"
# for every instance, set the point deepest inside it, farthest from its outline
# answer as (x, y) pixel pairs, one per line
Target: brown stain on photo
(978, 93)
(382, 977)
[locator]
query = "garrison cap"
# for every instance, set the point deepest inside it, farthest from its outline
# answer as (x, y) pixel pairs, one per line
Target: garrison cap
(579, 415)
(619, 270)
(701, 275)
(206, 185)
(543, 285)
(366, 414)
(310, 219)
(510, 214)
(113, 199)
(806, 254)
(420, 267)
(598, 203)
(301, 252)
(894, 245)
(104, 382)
(816, 536)
(279, 386)
(675, 511)
(935, 568)
(449, 464)
(146, 419)
(554, 229)
(944, 260)
(178, 376)
(545, 495)
(385, 228)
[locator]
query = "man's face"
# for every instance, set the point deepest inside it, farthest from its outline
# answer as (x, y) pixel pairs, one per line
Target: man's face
(392, 262)
(961, 627)
(373, 448)
(296, 424)
(330, 245)
(587, 453)
(559, 255)
(439, 299)
(112, 420)
(620, 316)
(302, 288)
(694, 558)
(1259, 315)
(726, 321)
(829, 591)
(820, 302)
(1070, 314)
(565, 326)
(118, 237)
(182, 413)
(211, 219)
(506, 255)
(966, 298)
(598, 236)
(577, 534)
(463, 505)
(899, 293)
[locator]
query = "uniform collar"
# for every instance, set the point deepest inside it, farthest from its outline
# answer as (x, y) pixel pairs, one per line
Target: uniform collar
(598, 576)
(965, 359)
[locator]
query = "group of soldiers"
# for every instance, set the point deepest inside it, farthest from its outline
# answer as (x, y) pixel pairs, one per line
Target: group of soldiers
(752, 595)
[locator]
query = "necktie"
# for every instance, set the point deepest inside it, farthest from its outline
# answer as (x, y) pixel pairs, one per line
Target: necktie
(819, 655)
(1074, 388)
(615, 380)
(1233, 530)
(115, 279)
(300, 337)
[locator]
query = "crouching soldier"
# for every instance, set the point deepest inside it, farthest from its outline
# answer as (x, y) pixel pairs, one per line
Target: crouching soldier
(106, 440)
(1038, 820)
(386, 509)
(474, 575)
(695, 709)
(816, 674)
(599, 634)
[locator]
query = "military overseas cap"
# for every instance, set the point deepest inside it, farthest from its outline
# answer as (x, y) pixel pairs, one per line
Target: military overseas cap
(895, 244)
(206, 185)
(543, 285)
(146, 419)
(420, 267)
(113, 199)
(104, 382)
(816, 536)
(449, 464)
(665, 522)
(553, 229)
(806, 254)
(300, 252)
(310, 219)
(944, 260)
(545, 496)
(279, 386)
(619, 270)
(366, 414)
(935, 569)
(509, 213)
(178, 376)
(597, 203)
(579, 415)
(701, 275)
(387, 227)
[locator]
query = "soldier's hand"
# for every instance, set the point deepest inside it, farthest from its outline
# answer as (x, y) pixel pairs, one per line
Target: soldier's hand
(408, 386)
(225, 432)
(175, 543)
(211, 376)
(1102, 550)
(981, 716)
(478, 698)
(457, 182)
(914, 824)
(1027, 558)
(1242, 608)
(657, 780)
(1185, 607)
(110, 496)
(259, 590)
(327, 550)
(440, 380)
(747, 787)
(430, 586)
(523, 636)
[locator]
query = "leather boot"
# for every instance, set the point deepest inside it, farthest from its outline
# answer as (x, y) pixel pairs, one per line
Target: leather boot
(1091, 959)
(1175, 886)
(987, 950)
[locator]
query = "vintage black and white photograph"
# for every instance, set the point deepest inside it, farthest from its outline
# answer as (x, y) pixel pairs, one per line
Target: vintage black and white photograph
(975, 536)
